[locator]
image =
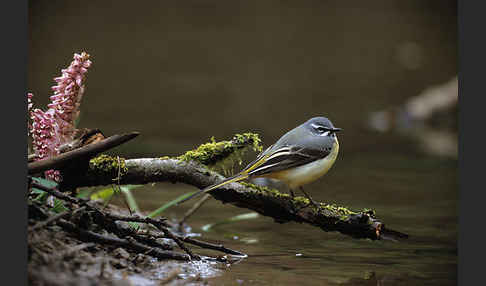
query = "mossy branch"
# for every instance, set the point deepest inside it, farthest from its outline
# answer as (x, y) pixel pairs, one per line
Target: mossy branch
(268, 202)
(213, 152)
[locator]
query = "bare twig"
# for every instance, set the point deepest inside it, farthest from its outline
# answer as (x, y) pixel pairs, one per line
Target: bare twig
(203, 244)
(157, 222)
(130, 238)
(84, 137)
(181, 245)
(161, 225)
(218, 247)
(61, 160)
(129, 243)
(194, 208)
(49, 220)
(60, 195)
(118, 188)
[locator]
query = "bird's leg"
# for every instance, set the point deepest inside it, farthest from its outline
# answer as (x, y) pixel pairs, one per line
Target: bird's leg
(310, 199)
(291, 193)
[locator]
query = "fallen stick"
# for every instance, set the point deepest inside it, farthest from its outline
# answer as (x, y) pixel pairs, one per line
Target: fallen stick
(161, 225)
(128, 243)
(87, 151)
(194, 208)
(202, 244)
(48, 221)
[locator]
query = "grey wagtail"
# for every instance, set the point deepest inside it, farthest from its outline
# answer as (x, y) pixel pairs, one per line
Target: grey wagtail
(301, 156)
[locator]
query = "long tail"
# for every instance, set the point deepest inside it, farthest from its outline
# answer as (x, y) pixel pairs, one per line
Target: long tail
(235, 178)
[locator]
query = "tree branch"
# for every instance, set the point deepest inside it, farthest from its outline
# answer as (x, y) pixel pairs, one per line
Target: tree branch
(268, 202)
(87, 151)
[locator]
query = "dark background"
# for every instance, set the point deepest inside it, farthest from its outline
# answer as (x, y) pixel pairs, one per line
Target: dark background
(182, 71)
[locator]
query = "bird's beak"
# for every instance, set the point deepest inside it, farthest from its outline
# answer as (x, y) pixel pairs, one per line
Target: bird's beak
(335, 129)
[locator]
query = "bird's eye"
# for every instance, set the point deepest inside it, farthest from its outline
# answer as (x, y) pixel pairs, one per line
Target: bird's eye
(321, 129)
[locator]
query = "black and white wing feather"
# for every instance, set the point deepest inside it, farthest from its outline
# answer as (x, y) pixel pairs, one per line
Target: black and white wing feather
(283, 158)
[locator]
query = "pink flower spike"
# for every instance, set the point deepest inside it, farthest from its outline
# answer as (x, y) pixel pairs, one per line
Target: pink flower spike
(59, 79)
(54, 127)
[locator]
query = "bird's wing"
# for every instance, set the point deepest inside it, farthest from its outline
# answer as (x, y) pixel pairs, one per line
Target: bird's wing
(260, 159)
(284, 158)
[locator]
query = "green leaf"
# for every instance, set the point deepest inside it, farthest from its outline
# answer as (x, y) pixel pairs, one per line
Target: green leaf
(130, 187)
(84, 194)
(44, 182)
(134, 225)
(59, 206)
(132, 204)
(106, 193)
(41, 197)
(103, 194)
(167, 205)
(237, 218)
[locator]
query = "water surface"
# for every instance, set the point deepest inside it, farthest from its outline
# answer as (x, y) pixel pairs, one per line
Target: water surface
(413, 195)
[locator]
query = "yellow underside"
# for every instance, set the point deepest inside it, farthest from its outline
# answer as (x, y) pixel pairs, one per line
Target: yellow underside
(307, 173)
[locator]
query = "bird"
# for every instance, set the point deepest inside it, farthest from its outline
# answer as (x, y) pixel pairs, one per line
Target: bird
(300, 156)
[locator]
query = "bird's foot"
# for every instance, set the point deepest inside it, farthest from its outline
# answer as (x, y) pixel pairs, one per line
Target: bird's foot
(311, 201)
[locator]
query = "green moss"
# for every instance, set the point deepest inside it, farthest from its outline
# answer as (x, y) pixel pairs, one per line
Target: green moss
(249, 138)
(337, 209)
(369, 212)
(342, 212)
(214, 152)
(339, 212)
(265, 190)
(302, 200)
(164, 158)
(108, 166)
